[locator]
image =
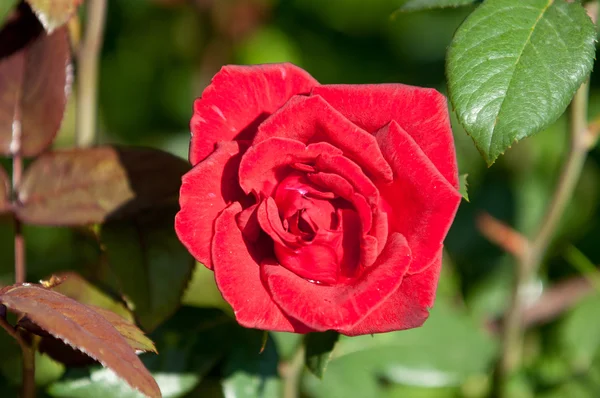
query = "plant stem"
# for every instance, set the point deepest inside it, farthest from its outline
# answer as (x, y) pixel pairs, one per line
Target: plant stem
(292, 374)
(87, 74)
(529, 263)
(20, 266)
(28, 354)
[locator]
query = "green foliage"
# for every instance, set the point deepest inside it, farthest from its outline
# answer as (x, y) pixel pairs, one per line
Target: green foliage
(513, 68)
(150, 264)
(319, 350)
(418, 5)
(463, 186)
(421, 357)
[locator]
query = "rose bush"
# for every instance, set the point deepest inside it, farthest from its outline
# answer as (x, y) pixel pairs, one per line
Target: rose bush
(319, 207)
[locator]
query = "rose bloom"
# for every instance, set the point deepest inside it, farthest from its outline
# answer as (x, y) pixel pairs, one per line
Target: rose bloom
(319, 207)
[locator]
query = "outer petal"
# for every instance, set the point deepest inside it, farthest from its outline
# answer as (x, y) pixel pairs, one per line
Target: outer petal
(238, 278)
(339, 307)
(407, 308)
(421, 203)
(205, 192)
(422, 112)
(311, 119)
(238, 99)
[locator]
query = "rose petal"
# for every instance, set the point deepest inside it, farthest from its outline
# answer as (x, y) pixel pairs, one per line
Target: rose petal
(311, 119)
(422, 112)
(262, 166)
(339, 307)
(421, 203)
(238, 99)
(342, 188)
(350, 171)
(238, 278)
(205, 191)
(406, 308)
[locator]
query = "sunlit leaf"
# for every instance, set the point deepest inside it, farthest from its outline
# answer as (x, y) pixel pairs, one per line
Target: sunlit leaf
(81, 327)
(84, 186)
(103, 383)
(319, 349)
(418, 5)
(34, 85)
(250, 374)
(151, 265)
(444, 352)
(513, 67)
(54, 13)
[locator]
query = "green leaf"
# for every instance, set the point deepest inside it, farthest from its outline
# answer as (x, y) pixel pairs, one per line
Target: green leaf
(418, 5)
(319, 349)
(250, 374)
(448, 349)
(6, 7)
(203, 292)
(151, 265)
(513, 67)
(70, 187)
(54, 13)
(463, 186)
(36, 81)
(103, 383)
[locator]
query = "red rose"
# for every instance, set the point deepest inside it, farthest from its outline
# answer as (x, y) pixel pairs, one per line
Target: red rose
(319, 206)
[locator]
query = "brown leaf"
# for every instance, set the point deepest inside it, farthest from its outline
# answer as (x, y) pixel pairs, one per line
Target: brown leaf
(74, 286)
(54, 13)
(4, 191)
(85, 186)
(81, 327)
(34, 84)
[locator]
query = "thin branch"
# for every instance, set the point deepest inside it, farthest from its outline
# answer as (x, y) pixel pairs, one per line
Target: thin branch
(529, 264)
(87, 74)
(502, 235)
(292, 374)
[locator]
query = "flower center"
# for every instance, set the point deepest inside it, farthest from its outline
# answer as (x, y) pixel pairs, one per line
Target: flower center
(319, 251)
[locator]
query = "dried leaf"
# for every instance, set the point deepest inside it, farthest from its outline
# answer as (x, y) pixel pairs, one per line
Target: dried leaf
(85, 186)
(4, 191)
(54, 13)
(34, 85)
(80, 326)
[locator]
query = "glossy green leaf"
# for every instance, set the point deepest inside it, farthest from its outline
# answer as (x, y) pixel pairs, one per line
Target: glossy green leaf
(249, 373)
(418, 5)
(70, 187)
(54, 13)
(513, 67)
(152, 267)
(6, 6)
(319, 350)
(34, 85)
(103, 383)
(464, 185)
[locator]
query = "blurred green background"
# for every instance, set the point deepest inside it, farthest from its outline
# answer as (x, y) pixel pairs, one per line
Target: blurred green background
(159, 55)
